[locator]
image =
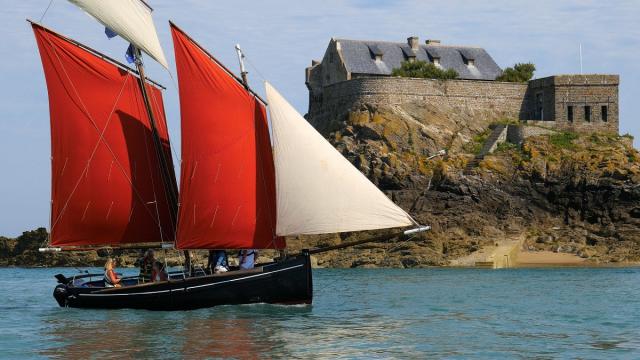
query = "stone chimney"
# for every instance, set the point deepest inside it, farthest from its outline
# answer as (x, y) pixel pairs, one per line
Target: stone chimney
(414, 42)
(432, 42)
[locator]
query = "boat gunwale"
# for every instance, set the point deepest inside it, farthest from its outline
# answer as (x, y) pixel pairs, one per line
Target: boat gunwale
(256, 270)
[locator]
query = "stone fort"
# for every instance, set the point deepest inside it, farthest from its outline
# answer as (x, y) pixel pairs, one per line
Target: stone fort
(354, 72)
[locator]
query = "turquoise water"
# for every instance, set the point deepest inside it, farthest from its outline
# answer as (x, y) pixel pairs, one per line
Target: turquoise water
(358, 313)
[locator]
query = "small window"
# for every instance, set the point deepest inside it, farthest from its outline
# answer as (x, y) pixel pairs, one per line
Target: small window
(436, 61)
(604, 113)
(570, 113)
(331, 57)
(587, 113)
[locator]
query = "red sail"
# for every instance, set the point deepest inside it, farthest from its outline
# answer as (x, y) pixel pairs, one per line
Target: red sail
(227, 186)
(107, 187)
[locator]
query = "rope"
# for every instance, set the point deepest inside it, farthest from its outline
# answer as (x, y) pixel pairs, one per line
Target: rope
(261, 170)
(254, 68)
(184, 262)
(100, 139)
(174, 155)
(45, 11)
(398, 243)
(155, 103)
(93, 152)
(153, 186)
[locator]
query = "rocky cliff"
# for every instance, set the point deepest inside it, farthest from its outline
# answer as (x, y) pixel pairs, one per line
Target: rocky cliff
(563, 192)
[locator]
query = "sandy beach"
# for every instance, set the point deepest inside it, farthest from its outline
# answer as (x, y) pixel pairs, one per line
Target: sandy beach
(548, 258)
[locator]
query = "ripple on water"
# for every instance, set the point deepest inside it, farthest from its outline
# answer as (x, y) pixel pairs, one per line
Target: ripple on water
(450, 313)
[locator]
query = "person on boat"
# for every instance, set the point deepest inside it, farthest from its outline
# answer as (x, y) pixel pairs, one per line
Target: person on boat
(146, 266)
(159, 272)
(111, 279)
(218, 261)
(247, 258)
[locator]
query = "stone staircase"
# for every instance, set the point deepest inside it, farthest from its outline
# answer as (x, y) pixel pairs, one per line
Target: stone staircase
(498, 135)
(500, 255)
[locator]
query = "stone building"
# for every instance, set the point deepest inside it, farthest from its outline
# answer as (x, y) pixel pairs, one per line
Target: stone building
(574, 102)
(354, 72)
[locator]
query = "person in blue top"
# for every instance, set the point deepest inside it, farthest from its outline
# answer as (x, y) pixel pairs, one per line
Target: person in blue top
(218, 262)
(247, 258)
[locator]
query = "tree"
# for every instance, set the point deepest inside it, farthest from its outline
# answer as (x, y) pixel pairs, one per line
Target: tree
(520, 72)
(423, 69)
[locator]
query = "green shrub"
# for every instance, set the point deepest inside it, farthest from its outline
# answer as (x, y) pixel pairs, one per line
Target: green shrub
(482, 137)
(505, 147)
(521, 72)
(563, 140)
(423, 69)
(475, 145)
(506, 121)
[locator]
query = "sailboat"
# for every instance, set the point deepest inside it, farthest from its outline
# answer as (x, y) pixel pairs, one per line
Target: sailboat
(242, 186)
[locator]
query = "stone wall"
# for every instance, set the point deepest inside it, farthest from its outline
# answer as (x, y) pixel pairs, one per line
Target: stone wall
(517, 133)
(529, 131)
(503, 98)
(545, 102)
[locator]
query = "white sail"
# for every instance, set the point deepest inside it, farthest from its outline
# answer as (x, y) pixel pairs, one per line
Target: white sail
(318, 190)
(131, 19)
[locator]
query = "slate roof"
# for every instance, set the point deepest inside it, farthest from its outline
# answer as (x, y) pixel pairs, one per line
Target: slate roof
(359, 57)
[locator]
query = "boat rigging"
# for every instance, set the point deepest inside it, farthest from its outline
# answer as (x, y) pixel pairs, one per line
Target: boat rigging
(241, 187)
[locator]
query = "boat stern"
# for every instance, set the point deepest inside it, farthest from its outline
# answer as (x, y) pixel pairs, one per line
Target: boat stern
(60, 293)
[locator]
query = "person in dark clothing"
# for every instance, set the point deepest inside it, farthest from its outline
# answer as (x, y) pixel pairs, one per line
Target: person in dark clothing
(146, 266)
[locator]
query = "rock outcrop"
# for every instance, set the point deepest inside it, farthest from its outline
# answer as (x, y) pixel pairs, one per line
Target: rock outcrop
(566, 192)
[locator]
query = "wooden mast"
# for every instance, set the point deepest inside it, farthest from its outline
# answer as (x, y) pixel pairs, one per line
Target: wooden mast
(171, 188)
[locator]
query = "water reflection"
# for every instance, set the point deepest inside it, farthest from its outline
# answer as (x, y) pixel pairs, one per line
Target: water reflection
(247, 332)
(241, 332)
(356, 314)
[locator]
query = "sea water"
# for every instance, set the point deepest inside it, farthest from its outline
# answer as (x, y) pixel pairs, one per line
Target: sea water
(584, 313)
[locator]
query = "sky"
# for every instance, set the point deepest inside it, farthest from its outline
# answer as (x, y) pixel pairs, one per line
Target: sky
(280, 38)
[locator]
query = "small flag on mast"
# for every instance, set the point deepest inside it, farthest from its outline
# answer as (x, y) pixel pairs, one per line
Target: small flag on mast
(131, 58)
(110, 33)
(130, 54)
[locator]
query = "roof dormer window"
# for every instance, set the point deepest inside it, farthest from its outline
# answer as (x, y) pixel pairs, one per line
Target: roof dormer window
(468, 56)
(375, 52)
(409, 53)
(436, 61)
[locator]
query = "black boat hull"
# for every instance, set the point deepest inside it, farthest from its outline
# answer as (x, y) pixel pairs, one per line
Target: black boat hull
(284, 282)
